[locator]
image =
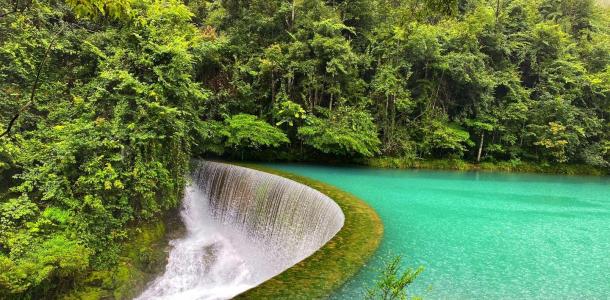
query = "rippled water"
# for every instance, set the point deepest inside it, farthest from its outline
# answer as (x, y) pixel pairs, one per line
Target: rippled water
(485, 235)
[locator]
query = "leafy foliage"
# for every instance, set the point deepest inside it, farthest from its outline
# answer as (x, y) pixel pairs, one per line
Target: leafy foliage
(247, 131)
(101, 8)
(346, 131)
(393, 283)
(103, 140)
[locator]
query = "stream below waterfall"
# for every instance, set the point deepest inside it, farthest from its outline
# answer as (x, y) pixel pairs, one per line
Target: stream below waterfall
(210, 262)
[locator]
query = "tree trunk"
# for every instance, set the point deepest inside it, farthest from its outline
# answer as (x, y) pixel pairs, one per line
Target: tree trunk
(39, 69)
(480, 147)
(272, 87)
(386, 130)
(393, 115)
(292, 19)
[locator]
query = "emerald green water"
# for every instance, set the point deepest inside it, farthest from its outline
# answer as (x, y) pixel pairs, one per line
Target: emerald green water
(485, 235)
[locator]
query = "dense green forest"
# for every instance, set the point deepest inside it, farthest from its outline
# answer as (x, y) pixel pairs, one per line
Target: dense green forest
(104, 102)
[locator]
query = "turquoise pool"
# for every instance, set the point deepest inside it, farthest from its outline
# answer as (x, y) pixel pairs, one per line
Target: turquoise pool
(485, 235)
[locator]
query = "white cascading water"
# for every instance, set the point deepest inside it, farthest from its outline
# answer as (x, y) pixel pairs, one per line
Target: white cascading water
(242, 227)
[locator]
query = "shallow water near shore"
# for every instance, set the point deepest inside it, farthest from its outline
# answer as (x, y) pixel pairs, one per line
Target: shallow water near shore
(484, 234)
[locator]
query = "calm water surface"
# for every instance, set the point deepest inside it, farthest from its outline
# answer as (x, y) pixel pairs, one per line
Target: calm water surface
(485, 235)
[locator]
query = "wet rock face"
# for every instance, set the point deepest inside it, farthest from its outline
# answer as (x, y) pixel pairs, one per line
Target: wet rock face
(242, 227)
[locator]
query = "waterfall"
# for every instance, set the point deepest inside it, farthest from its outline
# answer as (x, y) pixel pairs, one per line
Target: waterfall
(243, 227)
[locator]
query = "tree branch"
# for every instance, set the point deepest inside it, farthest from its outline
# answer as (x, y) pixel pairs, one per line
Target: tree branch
(16, 9)
(7, 131)
(7, 13)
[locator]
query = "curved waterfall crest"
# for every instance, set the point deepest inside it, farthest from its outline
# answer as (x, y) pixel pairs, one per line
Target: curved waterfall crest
(243, 227)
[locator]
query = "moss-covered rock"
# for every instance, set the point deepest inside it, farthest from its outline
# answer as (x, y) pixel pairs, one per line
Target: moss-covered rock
(144, 256)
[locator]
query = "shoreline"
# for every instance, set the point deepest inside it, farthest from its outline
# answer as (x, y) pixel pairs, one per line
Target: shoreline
(505, 166)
